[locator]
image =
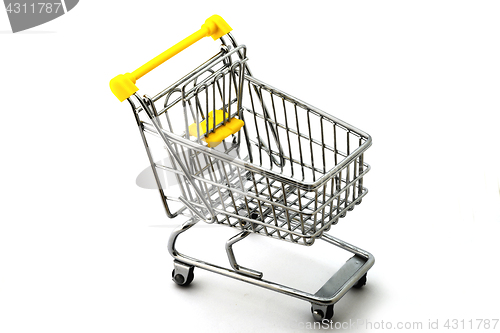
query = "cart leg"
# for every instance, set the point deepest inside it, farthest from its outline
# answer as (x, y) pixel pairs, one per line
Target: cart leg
(232, 258)
(351, 275)
(176, 232)
(183, 273)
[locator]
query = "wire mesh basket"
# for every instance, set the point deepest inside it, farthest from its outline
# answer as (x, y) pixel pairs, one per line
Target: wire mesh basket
(244, 154)
(290, 173)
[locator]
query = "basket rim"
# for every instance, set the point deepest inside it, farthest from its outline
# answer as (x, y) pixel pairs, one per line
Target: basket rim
(303, 185)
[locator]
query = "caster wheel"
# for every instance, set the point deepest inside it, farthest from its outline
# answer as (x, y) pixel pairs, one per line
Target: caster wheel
(361, 282)
(181, 279)
(343, 215)
(321, 313)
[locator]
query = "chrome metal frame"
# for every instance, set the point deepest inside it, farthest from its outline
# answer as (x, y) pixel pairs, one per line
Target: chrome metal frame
(331, 291)
(286, 181)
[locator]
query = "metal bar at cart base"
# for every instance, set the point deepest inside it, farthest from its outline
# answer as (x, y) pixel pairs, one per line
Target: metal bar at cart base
(331, 292)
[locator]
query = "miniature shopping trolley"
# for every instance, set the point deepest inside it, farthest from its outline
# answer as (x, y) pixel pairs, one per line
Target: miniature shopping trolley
(249, 156)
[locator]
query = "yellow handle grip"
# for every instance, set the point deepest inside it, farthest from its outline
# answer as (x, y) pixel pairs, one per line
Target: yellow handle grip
(123, 86)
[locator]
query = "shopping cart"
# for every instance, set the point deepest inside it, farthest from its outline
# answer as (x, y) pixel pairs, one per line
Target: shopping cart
(249, 156)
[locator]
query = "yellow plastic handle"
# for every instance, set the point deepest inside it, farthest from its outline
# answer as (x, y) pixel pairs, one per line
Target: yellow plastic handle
(123, 86)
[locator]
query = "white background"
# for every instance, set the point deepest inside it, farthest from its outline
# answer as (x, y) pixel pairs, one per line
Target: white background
(83, 249)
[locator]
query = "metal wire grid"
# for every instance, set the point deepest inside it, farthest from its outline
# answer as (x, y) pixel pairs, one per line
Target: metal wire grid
(249, 201)
(288, 181)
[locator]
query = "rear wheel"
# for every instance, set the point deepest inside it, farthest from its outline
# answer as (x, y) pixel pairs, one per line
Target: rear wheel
(361, 282)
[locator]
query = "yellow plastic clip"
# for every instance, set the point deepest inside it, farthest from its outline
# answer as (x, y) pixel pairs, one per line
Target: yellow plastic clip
(213, 139)
(123, 86)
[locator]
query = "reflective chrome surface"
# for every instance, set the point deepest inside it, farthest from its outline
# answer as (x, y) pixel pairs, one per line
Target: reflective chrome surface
(290, 173)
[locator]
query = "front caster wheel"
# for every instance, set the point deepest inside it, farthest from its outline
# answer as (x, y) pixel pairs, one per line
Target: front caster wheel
(182, 274)
(361, 282)
(321, 313)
